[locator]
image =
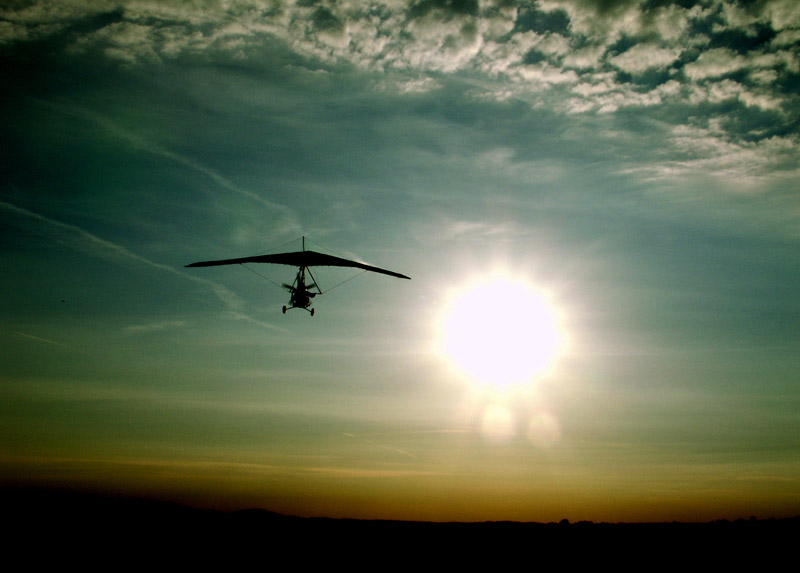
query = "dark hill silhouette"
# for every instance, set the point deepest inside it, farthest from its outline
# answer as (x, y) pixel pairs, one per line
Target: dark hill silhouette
(52, 523)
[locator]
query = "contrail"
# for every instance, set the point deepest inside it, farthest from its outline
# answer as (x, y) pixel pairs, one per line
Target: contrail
(144, 144)
(75, 237)
(40, 339)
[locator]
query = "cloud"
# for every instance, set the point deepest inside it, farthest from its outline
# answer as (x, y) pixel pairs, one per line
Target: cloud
(642, 57)
(602, 93)
(715, 63)
(27, 21)
(786, 38)
(575, 57)
(156, 326)
(360, 473)
(730, 90)
(445, 229)
(603, 22)
(586, 57)
(670, 22)
(441, 40)
(709, 153)
(417, 85)
(778, 14)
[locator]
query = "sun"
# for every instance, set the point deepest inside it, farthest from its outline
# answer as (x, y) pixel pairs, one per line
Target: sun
(500, 332)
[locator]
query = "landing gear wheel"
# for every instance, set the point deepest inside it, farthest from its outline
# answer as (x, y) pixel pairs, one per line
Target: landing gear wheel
(312, 312)
(284, 310)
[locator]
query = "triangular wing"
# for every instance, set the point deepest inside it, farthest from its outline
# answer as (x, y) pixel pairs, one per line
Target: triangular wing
(300, 259)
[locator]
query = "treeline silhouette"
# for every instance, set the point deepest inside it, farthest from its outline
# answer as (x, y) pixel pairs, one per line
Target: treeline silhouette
(61, 522)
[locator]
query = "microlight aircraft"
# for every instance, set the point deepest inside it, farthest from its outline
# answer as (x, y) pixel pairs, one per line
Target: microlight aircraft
(301, 292)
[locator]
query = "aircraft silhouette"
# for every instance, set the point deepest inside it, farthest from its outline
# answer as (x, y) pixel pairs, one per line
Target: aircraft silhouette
(301, 292)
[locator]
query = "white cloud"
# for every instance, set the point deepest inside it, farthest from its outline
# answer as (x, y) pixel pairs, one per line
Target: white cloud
(442, 45)
(502, 57)
(584, 58)
(605, 95)
(718, 62)
(497, 22)
(787, 38)
(779, 14)
(553, 44)
(129, 42)
(713, 63)
(783, 14)
(643, 57)
(708, 152)
(737, 17)
(725, 90)
(447, 228)
(417, 85)
(41, 19)
(388, 36)
(545, 74)
(602, 22)
(156, 326)
(670, 22)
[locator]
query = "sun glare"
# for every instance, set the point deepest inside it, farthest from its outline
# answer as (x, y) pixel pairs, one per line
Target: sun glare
(500, 332)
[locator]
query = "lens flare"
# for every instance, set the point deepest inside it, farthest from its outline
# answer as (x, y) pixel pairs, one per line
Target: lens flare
(497, 424)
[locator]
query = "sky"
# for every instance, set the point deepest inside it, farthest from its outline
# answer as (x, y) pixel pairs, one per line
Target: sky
(597, 204)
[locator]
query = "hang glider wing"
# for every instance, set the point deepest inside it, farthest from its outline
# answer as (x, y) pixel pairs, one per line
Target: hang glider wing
(300, 259)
